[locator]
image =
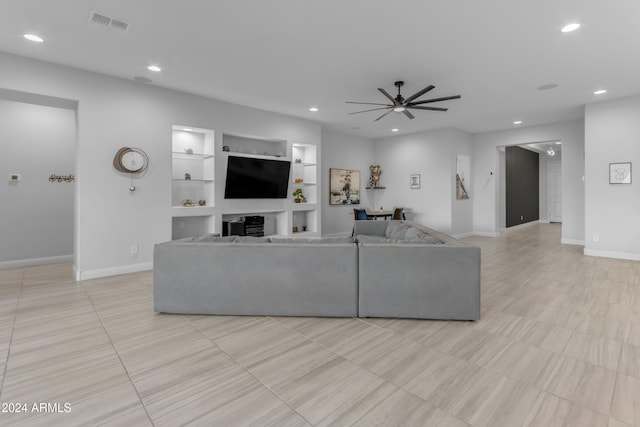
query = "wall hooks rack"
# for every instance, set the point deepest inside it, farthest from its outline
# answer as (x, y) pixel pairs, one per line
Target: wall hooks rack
(61, 178)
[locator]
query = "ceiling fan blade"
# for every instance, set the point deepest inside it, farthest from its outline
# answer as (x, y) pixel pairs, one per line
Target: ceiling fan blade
(419, 94)
(417, 107)
(385, 93)
(408, 114)
(367, 103)
(373, 109)
(390, 110)
(446, 98)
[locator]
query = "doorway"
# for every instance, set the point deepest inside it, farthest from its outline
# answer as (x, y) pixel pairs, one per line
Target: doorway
(38, 135)
(550, 182)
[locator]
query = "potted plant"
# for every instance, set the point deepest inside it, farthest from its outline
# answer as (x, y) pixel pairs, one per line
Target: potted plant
(298, 197)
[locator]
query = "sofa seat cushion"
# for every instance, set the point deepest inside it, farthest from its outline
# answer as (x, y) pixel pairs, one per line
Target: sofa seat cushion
(313, 240)
(396, 230)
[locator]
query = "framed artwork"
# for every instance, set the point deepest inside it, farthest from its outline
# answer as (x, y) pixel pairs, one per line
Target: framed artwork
(344, 187)
(463, 175)
(620, 173)
(414, 181)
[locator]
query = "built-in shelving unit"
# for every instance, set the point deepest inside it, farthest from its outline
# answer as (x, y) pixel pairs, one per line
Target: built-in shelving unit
(304, 171)
(204, 156)
(192, 181)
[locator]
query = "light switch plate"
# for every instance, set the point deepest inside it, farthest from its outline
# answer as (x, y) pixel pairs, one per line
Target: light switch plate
(15, 177)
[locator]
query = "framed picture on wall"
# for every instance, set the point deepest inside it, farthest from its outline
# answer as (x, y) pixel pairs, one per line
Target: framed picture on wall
(344, 187)
(463, 167)
(414, 181)
(620, 173)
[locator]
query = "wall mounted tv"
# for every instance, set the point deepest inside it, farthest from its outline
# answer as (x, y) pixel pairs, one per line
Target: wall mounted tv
(251, 178)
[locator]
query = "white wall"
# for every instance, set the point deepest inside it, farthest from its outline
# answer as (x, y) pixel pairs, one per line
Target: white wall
(431, 154)
(485, 161)
(37, 215)
(115, 112)
(612, 210)
(345, 152)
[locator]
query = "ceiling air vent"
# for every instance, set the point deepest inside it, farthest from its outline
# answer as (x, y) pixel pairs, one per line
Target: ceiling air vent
(107, 23)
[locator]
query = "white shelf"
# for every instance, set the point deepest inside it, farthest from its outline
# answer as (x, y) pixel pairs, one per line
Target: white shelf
(191, 156)
(304, 206)
(256, 156)
(200, 165)
(303, 164)
(182, 211)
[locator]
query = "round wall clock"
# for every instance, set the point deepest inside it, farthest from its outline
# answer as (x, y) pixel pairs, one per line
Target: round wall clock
(130, 160)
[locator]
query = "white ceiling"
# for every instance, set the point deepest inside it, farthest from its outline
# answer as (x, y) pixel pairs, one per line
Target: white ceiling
(288, 55)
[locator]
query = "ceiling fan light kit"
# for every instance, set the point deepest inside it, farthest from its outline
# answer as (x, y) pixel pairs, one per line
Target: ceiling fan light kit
(399, 104)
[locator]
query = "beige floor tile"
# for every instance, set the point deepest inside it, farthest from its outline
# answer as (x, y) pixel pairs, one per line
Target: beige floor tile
(632, 336)
(524, 363)
(411, 329)
(630, 361)
(626, 400)
(401, 364)
(484, 402)
(444, 381)
(615, 423)
(403, 409)
(582, 383)
(335, 390)
(215, 327)
(552, 411)
(604, 327)
(594, 350)
(544, 335)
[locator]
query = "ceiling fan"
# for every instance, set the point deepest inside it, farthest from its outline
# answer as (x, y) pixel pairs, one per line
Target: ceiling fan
(403, 105)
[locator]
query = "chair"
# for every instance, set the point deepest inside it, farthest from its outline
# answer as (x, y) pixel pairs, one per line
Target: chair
(360, 215)
(398, 213)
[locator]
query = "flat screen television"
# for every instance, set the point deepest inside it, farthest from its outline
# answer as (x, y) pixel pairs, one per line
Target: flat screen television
(251, 178)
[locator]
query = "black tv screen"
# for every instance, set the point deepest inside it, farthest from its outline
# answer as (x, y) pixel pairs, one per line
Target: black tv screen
(250, 178)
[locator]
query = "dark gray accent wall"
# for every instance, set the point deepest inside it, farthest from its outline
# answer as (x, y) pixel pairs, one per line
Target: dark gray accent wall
(522, 192)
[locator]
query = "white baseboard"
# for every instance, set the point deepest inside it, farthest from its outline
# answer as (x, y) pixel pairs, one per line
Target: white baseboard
(463, 235)
(35, 261)
(112, 271)
(612, 254)
(485, 233)
(572, 242)
(544, 221)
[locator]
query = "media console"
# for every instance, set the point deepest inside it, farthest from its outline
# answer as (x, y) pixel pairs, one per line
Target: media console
(246, 226)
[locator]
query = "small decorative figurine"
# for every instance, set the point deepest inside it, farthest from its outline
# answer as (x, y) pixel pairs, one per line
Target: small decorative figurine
(202, 202)
(374, 179)
(187, 177)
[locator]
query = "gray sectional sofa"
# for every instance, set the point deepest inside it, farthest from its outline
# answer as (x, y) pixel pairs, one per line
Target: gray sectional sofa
(408, 270)
(387, 269)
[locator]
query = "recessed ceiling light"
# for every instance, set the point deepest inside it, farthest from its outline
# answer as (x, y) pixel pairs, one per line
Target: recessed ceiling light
(395, 130)
(517, 122)
(187, 129)
(559, 143)
(600, 92)
(33, 38)
(313, 109)
(154, 68)
(548, 86)
(570, 27)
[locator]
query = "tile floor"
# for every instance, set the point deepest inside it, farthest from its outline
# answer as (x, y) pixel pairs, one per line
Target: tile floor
(558, 345)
